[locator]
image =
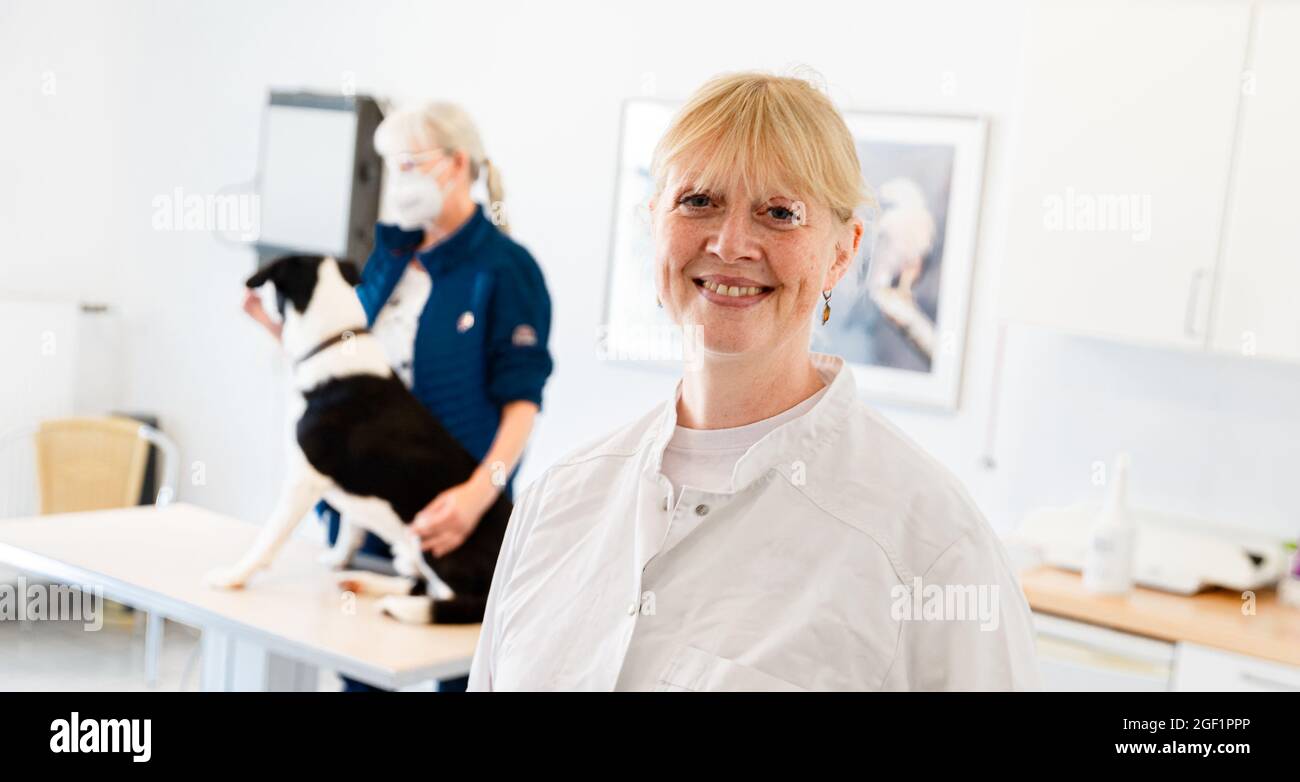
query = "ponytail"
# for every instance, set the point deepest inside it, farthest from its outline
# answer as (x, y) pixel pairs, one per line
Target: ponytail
(496, 195)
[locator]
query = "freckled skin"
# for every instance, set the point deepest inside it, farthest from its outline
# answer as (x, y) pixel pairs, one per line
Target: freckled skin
(736, 235)
(755, 359)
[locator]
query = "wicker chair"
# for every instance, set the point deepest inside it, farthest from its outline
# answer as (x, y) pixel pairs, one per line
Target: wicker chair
(78, 464)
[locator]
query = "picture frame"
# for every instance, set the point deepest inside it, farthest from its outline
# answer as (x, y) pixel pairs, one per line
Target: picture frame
(899, 316)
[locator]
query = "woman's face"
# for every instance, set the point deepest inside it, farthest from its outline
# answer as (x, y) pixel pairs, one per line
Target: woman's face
(748, 268)
(449, 169)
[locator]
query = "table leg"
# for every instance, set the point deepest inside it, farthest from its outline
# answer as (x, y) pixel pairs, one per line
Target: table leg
(234, 664)
(153, 641)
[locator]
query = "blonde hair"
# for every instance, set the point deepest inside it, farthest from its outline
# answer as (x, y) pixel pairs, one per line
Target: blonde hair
(768, 131)
(446, 126)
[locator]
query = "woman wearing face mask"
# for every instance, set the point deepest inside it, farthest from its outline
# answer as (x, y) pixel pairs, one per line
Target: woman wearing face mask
(462, 310)
(763, 529)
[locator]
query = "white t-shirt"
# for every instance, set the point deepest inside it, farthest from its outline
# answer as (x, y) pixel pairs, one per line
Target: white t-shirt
(399, 319)
(705, 458)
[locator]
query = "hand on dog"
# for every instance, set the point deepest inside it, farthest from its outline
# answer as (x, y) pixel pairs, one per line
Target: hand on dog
(446, 522)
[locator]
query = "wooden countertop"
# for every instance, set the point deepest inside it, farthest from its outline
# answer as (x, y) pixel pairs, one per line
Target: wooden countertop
(156, 559)
(1212, 618)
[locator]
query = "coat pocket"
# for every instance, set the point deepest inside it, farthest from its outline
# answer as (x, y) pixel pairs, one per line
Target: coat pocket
(695, 670)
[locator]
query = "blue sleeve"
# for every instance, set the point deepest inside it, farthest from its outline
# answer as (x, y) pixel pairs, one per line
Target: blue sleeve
(393, 250)
(519, 326)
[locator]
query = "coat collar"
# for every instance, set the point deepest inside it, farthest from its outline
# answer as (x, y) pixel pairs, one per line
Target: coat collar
(793, 441)
(461, 244)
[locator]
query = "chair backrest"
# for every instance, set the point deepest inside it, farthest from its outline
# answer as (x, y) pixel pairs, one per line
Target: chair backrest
(90, 463)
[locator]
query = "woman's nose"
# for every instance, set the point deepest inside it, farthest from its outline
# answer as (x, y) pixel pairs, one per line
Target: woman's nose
(734, 240)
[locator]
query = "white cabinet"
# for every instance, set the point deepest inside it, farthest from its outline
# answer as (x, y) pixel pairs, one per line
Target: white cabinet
(1256, 311)
(1079, 657)
(1076, 656)
(1199, 669)
(1122, 167)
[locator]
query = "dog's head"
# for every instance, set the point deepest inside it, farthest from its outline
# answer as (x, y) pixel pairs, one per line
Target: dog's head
(295, 278)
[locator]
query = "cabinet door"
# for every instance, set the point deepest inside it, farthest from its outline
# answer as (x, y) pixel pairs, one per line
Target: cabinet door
(1120, 165)
(1079, 657)
(1257, 300)
(1200, 669)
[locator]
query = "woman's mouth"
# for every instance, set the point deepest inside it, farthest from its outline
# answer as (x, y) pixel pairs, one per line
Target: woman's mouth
(732, 291)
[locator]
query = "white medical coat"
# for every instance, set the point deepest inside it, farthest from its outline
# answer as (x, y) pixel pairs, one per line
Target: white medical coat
(844, 558)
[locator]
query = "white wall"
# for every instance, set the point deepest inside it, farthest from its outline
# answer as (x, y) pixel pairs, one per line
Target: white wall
(1211, 436)
(154, 96)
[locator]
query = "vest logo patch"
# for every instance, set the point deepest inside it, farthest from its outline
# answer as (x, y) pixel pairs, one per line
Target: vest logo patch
(523, 336)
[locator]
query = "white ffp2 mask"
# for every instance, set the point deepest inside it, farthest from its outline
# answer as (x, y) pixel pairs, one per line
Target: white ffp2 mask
(417, 199)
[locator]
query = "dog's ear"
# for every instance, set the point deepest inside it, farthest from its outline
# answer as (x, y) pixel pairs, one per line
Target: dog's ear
(294, 277)
(349, 271)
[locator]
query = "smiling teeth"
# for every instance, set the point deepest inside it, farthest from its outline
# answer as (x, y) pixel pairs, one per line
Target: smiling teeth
(732, 290)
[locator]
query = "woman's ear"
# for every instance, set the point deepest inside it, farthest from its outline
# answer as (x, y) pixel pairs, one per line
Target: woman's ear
(846, 249)
(460, 165)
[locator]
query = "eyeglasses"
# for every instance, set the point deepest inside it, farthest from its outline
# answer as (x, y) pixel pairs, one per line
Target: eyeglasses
(405, 161)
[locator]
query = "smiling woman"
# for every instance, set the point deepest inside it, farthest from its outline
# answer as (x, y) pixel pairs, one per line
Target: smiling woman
(754, 531)
(756, 186)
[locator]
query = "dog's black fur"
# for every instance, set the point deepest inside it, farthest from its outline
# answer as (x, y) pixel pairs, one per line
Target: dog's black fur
(294, 277)
(373, 438)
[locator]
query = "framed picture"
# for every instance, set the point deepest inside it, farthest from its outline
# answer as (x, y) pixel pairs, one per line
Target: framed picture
(636, 329)
(899, 315)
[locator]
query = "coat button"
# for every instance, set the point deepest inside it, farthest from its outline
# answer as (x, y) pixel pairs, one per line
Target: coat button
(664, 504)
(701, 510)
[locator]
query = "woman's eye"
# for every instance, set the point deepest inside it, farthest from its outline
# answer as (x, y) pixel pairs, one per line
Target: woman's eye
(792, 215)
(695, 200)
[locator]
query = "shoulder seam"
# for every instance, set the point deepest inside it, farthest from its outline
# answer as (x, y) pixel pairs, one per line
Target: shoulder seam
(965, 535)
(889, 553)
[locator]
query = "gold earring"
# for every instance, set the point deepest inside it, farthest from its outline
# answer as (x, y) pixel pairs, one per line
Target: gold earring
(826, 311)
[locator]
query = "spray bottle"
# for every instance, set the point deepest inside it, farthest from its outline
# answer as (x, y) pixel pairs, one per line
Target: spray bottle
(1108, 566)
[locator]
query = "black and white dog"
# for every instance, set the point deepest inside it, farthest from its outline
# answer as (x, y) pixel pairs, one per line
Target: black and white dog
(367, 446)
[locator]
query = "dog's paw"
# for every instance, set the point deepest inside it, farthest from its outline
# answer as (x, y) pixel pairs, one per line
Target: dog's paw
(407, 609)
(227, 578)
(351, 582)
(335, 560)
(362, 582)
